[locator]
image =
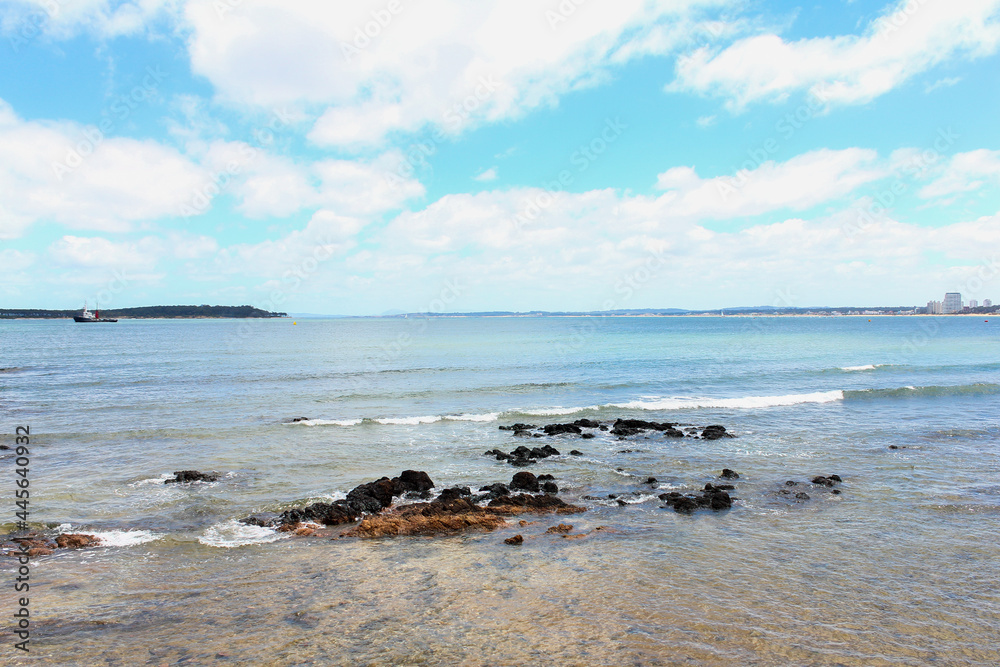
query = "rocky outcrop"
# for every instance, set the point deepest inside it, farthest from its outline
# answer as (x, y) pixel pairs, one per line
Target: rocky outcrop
(715, 432)
(434, 518)
(524, 456)
(368, 498)
(33, 545)
(187, 476)
(711, 497)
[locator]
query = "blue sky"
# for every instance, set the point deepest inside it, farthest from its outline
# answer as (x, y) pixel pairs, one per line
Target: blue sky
(498, 155)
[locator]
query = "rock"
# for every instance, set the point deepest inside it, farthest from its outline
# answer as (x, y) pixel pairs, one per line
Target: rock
(518, 427)
(560, 529)
(433, 518)
(729, 474)
(517, 539)
(495, 490)
(185, 476)
(557, 429)
(523, 434)
(549, 487)
(602, 427)
(650, 480)
(791, 482)
(835, 478)
(586, 423)
(545, 478)
(520, 463)
(524, 481)
(641, 425)
(296, 420)
(823, 481)
(714, 432)
(539, 453)
(673, 433)
(415, 480)
(802, 495)
(373, 497)
(587, 436)
(725, 487)
(454, 492)
(76, 541)
(529, 503)
(684, 505)
(575, 452)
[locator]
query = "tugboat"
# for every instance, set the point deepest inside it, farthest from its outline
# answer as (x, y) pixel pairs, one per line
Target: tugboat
(87, 316)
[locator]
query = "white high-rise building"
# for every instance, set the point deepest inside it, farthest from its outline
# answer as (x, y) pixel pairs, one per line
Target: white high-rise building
(952, 303)
(933, 307)
(987, 303)
(973, 303)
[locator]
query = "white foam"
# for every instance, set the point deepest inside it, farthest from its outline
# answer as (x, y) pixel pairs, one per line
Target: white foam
(408, 421)
(545, 412)
(486, 417)
(866, 367)
(232, 533)
(745, 402)
(325, 422)
(125, 538)
(152, 480)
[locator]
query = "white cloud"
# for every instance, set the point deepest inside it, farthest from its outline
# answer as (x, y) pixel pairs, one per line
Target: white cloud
(74, 175)
(75, 252)
(965, 172)
(910, 38)
(803, 181)
(445, 63)
(486, 176)
(705, 121)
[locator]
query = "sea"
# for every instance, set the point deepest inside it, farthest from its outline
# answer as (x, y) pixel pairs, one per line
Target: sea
(898, 568)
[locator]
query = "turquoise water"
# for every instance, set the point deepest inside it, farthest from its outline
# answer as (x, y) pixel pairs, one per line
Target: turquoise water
(897, 569)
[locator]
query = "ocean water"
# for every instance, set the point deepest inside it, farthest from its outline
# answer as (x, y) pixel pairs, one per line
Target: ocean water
(900, 568)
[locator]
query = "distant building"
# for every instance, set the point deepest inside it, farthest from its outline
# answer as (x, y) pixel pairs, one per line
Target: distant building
(952, 303)
(973, 303)
(933, 307)
(987, 303)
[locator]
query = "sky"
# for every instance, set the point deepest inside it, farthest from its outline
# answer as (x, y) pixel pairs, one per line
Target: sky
(359, 158)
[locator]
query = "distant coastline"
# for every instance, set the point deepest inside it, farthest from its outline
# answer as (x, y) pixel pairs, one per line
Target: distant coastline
(146, 312)
(761, 311)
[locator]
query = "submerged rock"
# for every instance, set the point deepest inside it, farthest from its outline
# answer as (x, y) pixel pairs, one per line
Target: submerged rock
(185, 476)
(517, 539)
(729, 474)
(433, 518)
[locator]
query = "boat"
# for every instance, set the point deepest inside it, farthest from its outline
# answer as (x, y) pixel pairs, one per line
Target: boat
(87, 316)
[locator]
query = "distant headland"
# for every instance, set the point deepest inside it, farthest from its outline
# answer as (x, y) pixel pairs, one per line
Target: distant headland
(145, 312)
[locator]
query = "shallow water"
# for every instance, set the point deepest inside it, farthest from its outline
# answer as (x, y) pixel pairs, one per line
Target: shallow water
(896, 570)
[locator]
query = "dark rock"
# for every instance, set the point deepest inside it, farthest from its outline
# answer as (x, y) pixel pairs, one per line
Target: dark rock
(684, 505)
(521, 452)
(575, 452)
(725, 487)
(523, 434)
(802, 495)
(586, 423)
(454, 493)
(729, 474)
(416, 480)
(642, 425)
(587, 436)
(549, 487)
(625, 431)
(550, 450)
(836, 492)
(673, 433)
(791, 483)
(650, 480)
(524, 481)
(295, 420)
(823, 481)
(518, 427)
(538, 453)
(537, 435)
(185, 476)
(835, 478)
(714, 432)
(720, 500)
(372, 497)
(546, 477)
(612, 496)
(499, 489)
(561, 529)
(521, 462)
(602, 427)
(556, 429)
(517, 539)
